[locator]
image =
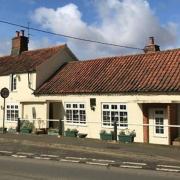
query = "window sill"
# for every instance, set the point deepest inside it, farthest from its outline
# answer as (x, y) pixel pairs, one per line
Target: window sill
(160, 136)
(73, 124)
(9, 121)
(112, 127)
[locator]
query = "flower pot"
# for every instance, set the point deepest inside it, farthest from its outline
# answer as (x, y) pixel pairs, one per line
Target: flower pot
(106, 136)
(53, 132)
(126, 138)
(1, 130)
(82, 135)
(25, 130)
(71, 133)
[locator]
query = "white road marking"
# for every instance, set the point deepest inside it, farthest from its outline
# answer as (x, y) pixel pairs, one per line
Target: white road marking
(24, 153)
(49, 155)
(18, 156)
(95, 163)
(168, 166)
(68, 160)
(79, 158)
(44, 158)
(6, 152)
(169, 170)
(103, 160)
(134, 163)
(134, 167)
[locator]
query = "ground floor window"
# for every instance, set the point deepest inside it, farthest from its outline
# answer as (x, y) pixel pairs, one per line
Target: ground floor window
(12, 112)
(75, 113)
(114, 111)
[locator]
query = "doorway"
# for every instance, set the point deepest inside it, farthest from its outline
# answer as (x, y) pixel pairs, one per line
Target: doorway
(158, 132)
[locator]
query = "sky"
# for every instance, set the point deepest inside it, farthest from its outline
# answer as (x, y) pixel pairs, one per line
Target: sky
(123, 22)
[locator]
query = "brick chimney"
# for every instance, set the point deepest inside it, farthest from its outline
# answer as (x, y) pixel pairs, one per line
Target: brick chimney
(19, 43)
(151, 47)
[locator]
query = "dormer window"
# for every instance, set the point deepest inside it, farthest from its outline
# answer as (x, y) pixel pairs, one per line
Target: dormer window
(13, 82)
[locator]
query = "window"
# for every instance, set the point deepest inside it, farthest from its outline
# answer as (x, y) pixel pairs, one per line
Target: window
(75, 113)
(112, 112)
(159, 122)
(13, 83)
(12, 112)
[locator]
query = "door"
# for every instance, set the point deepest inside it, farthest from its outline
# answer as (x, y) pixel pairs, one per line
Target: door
(158, 130)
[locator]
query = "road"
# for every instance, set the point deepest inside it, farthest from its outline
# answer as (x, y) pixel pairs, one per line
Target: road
(32, 169)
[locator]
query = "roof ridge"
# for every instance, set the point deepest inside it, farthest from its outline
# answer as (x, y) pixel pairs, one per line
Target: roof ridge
(47, 48)
(129, 55)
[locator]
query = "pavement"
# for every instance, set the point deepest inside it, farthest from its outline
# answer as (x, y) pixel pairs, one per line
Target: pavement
(91, 151)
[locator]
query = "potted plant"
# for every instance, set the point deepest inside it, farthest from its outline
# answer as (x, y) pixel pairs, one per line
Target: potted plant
(126, 135)
(1, 130)
(12, 130)
(71, 132)
(26, 126)
(106, 136)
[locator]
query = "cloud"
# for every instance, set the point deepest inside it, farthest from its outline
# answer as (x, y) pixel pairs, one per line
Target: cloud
(5, 47)
(124, 22)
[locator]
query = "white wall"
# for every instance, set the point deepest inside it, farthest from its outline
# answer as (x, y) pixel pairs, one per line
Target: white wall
(22, 93)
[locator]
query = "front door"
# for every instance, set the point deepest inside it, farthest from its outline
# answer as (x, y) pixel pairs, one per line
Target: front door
(158, 130)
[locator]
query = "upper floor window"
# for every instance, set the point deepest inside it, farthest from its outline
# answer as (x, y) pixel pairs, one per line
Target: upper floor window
(13, 82)
(75, 113)
(114, 112)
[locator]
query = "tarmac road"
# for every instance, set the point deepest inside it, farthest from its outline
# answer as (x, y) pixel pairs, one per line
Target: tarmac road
(32, 169)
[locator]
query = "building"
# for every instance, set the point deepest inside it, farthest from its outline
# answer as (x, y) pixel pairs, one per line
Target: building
(90, 95)
(24, 71)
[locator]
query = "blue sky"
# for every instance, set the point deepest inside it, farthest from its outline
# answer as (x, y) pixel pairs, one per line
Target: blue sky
(125, 22)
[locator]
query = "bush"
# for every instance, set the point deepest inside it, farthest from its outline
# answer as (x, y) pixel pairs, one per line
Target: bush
(27, 124)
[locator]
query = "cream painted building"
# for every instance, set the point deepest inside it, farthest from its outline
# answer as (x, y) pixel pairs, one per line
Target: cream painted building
(50, 84)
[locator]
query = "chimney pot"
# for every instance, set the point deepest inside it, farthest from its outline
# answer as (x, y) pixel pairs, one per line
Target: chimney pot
(151, 40)
(17, 33)
(22, 32)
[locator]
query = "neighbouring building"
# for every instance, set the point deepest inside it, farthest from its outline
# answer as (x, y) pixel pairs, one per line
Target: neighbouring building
(89, 95)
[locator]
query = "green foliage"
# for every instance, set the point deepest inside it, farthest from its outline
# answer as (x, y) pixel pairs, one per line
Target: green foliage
(26, 124)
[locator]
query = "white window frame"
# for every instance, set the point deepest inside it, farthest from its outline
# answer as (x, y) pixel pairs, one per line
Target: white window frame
(13, 82)
(120, 115)
(14, 112)
(159, 125)
(81, 118)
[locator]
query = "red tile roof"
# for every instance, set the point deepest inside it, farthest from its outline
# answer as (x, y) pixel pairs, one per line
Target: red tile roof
(27, 61)
(154, 72)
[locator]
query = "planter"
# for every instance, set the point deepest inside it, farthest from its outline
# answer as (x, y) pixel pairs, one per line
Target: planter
(41, 131)
(106, 136)
(71, 133)
(1, 130)
(53, 132)
(12, 131)
(25, 130)
(126, 138)
(82, 135)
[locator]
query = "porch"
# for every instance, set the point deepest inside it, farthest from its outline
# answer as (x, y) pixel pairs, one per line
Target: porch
(161, 121)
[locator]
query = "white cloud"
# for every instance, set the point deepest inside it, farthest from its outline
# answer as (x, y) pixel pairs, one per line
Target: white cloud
(125, 22)
(5, 47)
(39, 43)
